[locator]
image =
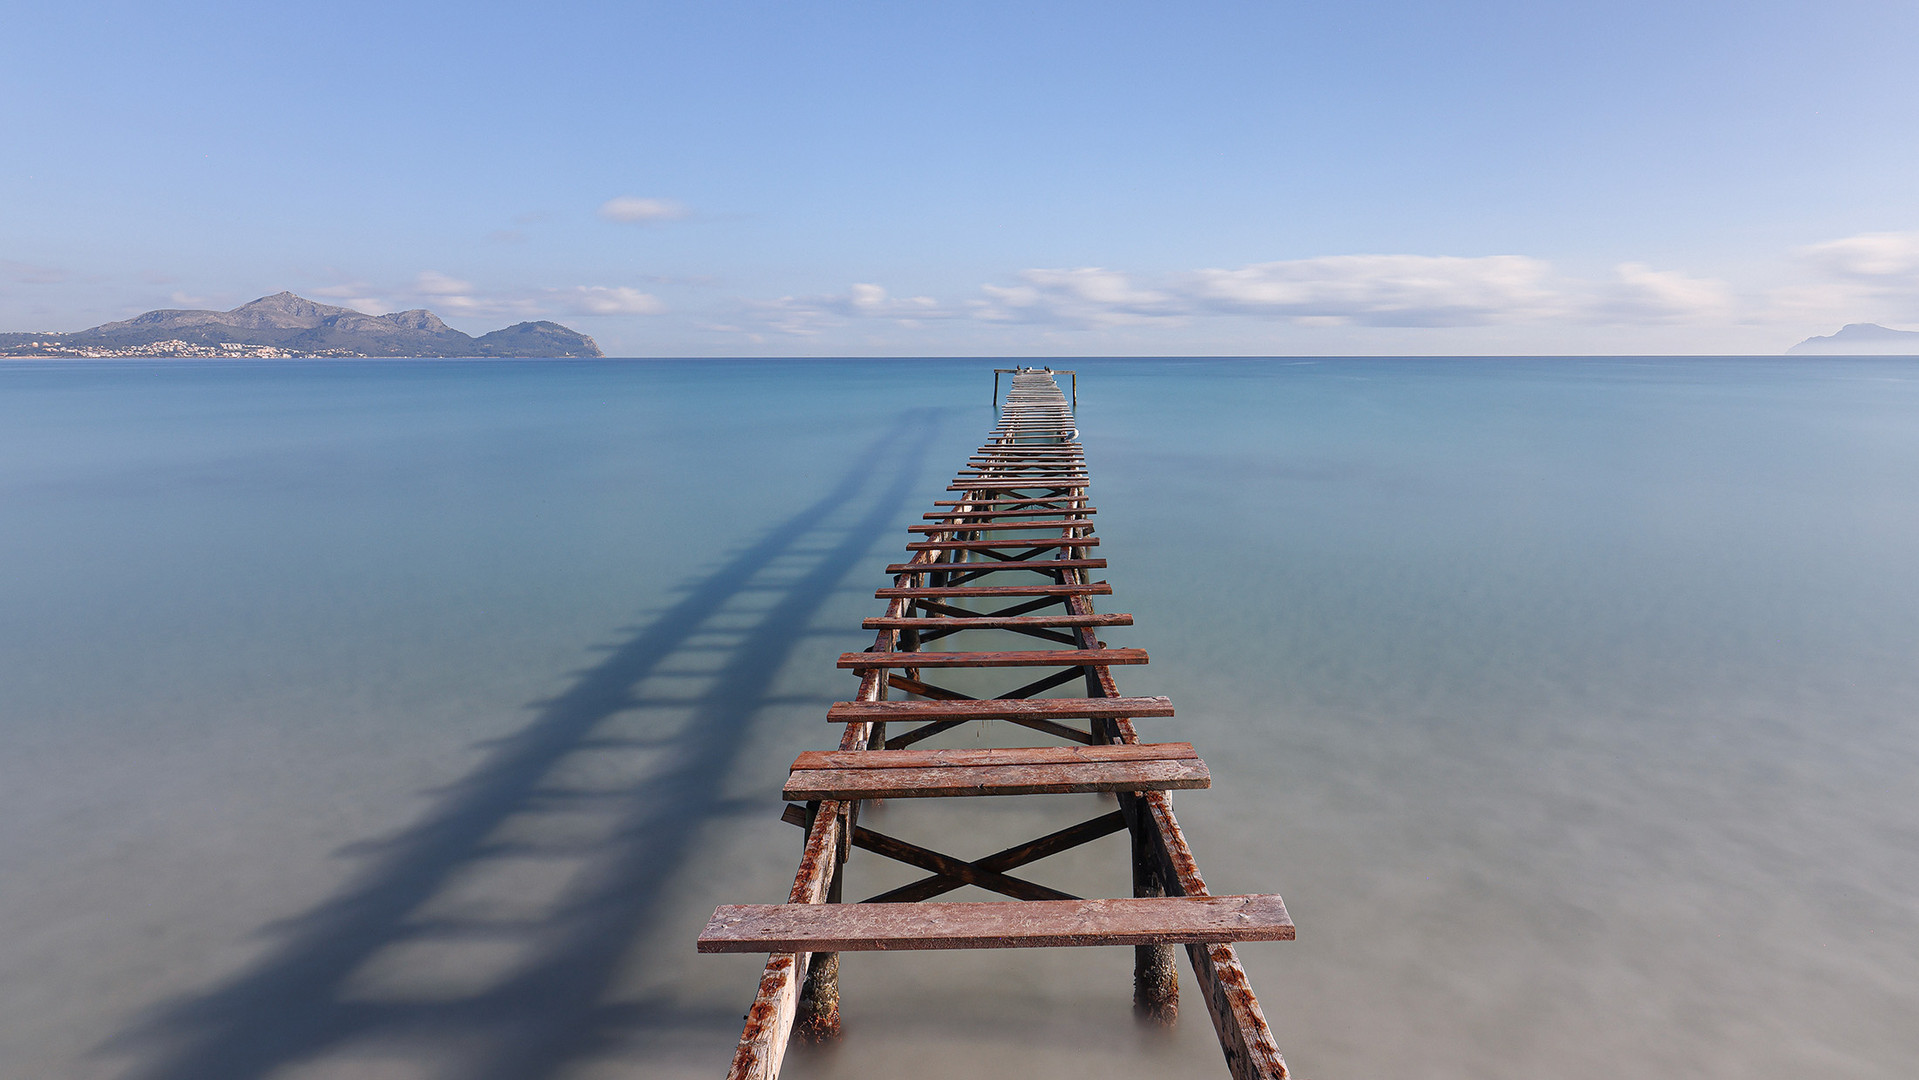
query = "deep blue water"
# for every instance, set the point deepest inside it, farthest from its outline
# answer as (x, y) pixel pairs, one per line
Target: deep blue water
(398, 719)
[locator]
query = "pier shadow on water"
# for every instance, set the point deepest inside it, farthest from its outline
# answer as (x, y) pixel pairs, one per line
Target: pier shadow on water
(490, 939)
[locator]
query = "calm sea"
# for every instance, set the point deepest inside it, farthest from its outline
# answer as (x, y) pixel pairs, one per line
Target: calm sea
(397, 720)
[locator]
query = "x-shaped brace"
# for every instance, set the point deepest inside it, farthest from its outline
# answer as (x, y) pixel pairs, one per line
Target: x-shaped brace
(949, 873)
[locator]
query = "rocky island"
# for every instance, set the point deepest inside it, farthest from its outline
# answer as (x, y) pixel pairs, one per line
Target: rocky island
(1861, 339)
(287, 326)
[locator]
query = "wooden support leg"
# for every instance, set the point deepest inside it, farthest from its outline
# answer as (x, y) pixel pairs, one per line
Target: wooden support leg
(770, 1019)
(819, 1018)
(1155, 967)
(819, 1008)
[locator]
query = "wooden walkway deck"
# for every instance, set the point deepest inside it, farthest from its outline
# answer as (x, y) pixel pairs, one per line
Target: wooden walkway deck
(1023, 512)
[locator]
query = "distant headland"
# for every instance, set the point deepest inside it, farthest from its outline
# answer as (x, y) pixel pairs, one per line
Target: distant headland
(1862, 339)
(285, 326)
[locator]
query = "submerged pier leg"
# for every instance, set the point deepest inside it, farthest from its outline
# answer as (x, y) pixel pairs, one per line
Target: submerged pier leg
(818, 1018)
(1155, 969)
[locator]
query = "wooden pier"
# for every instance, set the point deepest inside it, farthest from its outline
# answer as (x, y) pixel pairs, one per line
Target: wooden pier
(1023, 523)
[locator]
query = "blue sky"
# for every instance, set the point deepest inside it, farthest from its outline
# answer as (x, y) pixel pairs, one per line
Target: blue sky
(1056, 179)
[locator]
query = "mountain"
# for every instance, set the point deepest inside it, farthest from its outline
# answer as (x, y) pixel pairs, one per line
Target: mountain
(287, 325)
(1862, 339)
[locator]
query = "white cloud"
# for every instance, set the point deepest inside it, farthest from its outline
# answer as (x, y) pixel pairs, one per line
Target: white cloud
(1867, 255)
(809, 315)
(1869, 277)
(1644, 295)
(434, 283)
(1381, 290)
(1372, 290)
(361, 296)
(871, 301)
(634, 210)
(1361, 290)
(611, 300)
(448, 296)
(1336, 290)
(1087, 296)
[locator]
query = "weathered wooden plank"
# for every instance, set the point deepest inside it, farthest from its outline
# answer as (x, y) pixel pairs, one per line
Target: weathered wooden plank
(1008, 658)
(1062, 462)
(1098, 588)
(1056, 500)
(973, 757)
(995, 622)
(951, 782)
(996, 925)
(848, 712)
(1010, 543)
(1071, 512)
(1037, 483)
(999, 526)
(1038, 566)
(1042, 480)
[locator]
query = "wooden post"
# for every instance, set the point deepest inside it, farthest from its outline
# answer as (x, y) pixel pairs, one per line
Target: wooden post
(819, 1007)
(1155, 967)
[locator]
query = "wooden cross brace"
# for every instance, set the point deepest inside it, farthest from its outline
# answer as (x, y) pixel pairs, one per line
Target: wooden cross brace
(949, 873)
(940, 693)
(937, 609)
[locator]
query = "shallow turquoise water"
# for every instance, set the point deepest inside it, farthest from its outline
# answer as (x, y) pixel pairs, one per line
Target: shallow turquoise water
(407, 719)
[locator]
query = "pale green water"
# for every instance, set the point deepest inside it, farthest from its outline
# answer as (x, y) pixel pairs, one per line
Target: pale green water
(402, 720)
